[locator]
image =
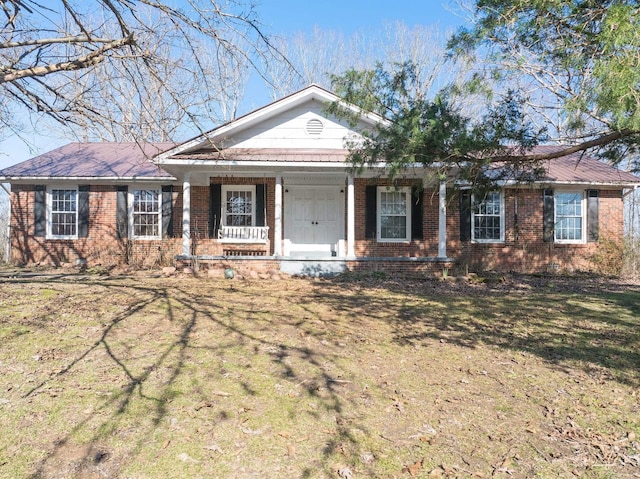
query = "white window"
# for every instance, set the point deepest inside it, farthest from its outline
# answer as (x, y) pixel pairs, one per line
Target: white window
(62, 217)
(487, 219)
(238, 205)
(394, 214)
(145, 213)
(569, 217)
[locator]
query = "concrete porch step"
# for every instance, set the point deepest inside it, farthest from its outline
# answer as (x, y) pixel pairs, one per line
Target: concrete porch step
(324, 255)
(313, 267)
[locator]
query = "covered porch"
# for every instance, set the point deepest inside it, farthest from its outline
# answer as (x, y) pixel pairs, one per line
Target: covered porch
(308, 225)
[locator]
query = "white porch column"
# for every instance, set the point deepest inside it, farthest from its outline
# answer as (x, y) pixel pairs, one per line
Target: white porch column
(351, 218)
(277, 227)
(442, 221)
(186, 214)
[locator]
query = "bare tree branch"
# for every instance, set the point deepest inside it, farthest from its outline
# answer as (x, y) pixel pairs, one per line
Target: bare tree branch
(129, 68)
(85, 61)
(51, 41)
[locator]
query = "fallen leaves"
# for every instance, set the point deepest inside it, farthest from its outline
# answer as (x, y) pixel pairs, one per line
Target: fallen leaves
(205, 404)
(604, 448)
(291, 451)
(413, 469)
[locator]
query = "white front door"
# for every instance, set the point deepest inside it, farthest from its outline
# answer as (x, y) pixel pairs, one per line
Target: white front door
(314, 218)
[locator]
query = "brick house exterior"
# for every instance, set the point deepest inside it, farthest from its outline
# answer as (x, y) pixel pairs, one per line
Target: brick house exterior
(271, 190)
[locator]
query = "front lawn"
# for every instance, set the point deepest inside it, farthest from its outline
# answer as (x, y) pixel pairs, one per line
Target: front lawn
(152, 377)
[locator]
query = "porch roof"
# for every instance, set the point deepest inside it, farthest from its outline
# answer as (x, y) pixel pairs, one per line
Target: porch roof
(275, 155)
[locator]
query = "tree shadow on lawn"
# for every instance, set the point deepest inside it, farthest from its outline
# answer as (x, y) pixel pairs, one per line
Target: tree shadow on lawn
(176, 362)
(160, 353)
(590, 322)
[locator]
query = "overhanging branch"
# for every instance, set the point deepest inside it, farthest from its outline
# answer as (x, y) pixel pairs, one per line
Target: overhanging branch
(92, 58)
(50, 41)
(585, 145)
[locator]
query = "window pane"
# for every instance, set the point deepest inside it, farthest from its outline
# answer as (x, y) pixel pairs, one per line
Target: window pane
(568, 225)
(393, 215)
(239, 208)
(487, 218)
(146, 213)
(393, 227)
(63, 212)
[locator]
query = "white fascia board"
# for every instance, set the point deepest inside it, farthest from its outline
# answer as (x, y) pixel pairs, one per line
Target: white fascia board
(159, 159)
(291, 165)
(266, 112)
(571, 183)
(549, 183)
(372, 118)
(259, 164)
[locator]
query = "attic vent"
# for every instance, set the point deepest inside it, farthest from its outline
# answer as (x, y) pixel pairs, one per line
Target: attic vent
(314, 127)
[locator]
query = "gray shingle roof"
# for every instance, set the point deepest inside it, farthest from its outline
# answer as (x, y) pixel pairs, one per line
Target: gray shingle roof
(93, 160)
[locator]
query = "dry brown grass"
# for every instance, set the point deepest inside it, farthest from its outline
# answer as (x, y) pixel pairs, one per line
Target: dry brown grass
(142, 377)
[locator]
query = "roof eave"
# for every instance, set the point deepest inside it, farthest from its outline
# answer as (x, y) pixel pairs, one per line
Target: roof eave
(617, 184)
(119, 179)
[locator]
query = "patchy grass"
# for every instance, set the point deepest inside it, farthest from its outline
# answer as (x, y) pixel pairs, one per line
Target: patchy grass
(144, 377)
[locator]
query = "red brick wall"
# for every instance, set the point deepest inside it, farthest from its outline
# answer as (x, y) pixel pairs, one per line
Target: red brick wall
(523, 249)
(428, 246)
(102, 246)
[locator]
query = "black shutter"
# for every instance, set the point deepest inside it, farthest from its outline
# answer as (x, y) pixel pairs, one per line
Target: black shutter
(167, 211)
(40, 211)
(215, 210)
(593, 227)
(465, 215)
(548, 215)
(83, 211)
(370, 211)
(260, 204)
(122, 224)
(416, 213)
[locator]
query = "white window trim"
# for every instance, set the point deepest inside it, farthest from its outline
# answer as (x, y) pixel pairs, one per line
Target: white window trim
(583, 216)
(49, 211)
(502, 219)
(223, 201)
(130, 212)
(407, 193)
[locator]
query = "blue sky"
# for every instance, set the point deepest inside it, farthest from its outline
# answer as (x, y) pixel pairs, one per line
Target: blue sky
(348, 16)
(288, 17)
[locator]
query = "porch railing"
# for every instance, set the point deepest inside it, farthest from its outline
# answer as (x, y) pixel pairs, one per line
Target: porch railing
(243, 234)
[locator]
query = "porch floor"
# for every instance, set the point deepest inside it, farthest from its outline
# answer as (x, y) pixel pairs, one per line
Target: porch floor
(322, 265)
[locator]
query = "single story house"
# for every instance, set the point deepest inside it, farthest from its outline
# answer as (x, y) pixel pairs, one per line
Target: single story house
(271, 191)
